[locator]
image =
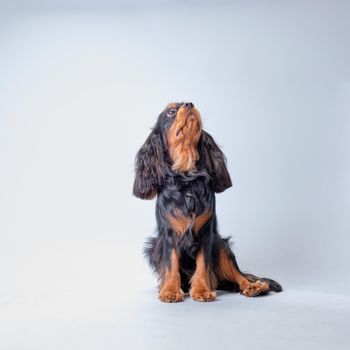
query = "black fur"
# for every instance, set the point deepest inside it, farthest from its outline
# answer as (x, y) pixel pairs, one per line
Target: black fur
(192, 192)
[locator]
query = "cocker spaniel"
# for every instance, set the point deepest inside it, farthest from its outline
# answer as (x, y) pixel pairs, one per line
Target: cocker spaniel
(183, 167)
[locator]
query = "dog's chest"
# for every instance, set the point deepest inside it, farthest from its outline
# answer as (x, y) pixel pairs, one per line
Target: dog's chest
(194, 199)
(191, 197)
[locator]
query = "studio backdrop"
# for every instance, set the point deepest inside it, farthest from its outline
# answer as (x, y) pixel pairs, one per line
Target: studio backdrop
(80, 92)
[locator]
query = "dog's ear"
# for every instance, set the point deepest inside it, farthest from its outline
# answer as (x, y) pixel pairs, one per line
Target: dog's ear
(150, 166)
(214, 162)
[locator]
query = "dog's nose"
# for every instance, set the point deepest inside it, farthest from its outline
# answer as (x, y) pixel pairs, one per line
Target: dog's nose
(188, 105)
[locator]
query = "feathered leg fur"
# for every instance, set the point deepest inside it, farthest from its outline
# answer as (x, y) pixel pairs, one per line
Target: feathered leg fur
(207, 263)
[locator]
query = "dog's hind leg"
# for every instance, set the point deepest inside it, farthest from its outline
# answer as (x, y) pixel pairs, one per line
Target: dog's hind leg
(227, 270)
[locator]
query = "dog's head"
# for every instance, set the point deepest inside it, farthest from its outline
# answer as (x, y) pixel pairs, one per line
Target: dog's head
(181, 132)
(178, 144)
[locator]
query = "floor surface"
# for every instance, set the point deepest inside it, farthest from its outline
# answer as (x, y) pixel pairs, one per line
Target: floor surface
(289, 320)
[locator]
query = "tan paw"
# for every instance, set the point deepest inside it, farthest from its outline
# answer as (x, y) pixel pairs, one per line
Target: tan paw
(252, 289)
(171, 296)
(203, 295)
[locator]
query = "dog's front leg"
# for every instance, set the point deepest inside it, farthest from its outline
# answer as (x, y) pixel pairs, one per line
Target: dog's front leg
(202, 288)
(170, 287)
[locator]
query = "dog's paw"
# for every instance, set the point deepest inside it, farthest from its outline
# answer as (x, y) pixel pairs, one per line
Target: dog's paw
(252, 289)
(202, 295)
(171, 296)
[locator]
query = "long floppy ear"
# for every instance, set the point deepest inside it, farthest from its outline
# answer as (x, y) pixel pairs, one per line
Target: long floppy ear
(215, 163)
(150, 167)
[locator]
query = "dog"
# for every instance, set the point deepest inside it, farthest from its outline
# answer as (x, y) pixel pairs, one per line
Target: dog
(183, 167)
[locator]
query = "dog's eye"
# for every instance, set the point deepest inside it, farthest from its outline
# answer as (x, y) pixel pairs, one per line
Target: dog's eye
(171, 112)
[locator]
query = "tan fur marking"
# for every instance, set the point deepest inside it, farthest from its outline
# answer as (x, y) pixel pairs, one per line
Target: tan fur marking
(178, 222)
(171, 105)
(227, 270)
(201, 220)
(170, 288)
(183, 137)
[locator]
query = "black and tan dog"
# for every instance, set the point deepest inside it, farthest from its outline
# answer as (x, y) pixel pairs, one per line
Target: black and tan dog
(181, 164)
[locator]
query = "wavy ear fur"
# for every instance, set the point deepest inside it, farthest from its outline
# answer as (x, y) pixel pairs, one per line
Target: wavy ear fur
(215, 163)
(150, 167)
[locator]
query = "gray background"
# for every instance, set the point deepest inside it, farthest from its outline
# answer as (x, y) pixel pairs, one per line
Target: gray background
(81, 83)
